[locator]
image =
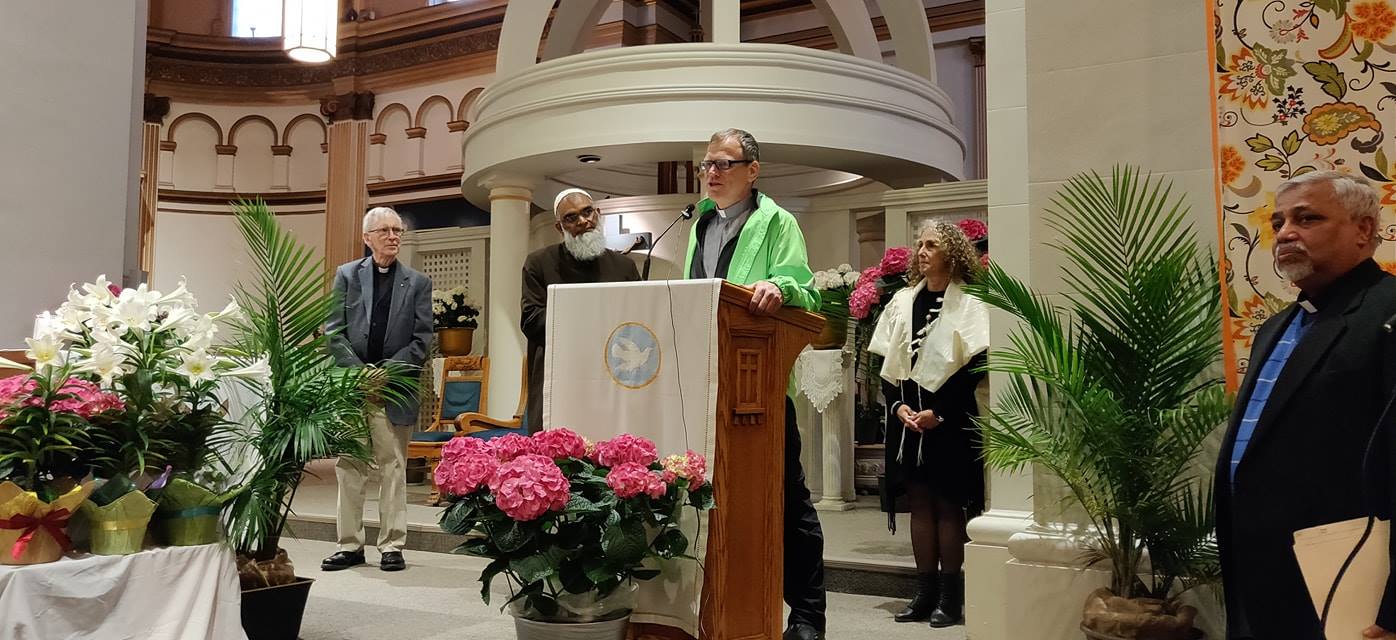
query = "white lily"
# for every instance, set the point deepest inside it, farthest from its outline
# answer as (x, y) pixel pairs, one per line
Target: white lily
(197, 366)
(180, 319)
(133, 311)
(232, 310)
(259, 371)
(180, 297)
(45, 351)
(99, 290)
(6, 363)
(105, 361)
(48, 325)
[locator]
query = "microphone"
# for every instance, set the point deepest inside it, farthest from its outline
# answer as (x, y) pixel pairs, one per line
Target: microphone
(686, 214)
(1390, 324)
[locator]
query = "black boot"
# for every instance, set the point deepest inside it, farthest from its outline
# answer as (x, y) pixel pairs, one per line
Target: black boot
(923, 603)
(950, 611)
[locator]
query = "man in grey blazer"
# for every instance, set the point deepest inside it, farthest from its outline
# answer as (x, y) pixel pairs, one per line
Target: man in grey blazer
(386, 315)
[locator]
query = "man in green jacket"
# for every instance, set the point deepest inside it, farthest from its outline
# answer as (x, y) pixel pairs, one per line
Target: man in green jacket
(745, 238)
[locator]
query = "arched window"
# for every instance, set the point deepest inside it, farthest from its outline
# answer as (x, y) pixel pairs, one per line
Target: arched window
(257, 18)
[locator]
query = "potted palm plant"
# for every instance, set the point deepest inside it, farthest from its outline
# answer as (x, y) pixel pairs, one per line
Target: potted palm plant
(1114, 390)
(307, 408)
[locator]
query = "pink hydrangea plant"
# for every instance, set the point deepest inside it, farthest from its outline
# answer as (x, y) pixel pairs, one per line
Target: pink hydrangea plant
(974, 229)
(559, 443)
(511, 446)
(895, 260)
(76, 396)
(626, 448)
(529, 486)
(692, 467)
(629, 479)
(465, 473)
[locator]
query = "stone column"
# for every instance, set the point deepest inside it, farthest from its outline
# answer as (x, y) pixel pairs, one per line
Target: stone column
(346, 191)
(223, 175)
(416, 140)
(895, 227)
(872, 239)
(376, 142)
(511, 196)
(837, 423)
(456, 128)
(155, 110)
(721, 21)
(280, 167)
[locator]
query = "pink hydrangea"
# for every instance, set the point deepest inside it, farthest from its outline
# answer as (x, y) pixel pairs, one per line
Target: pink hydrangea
(861, 301)
(869, 276)
(462, 475)
(626, 448)
(974, 229)
(79, 397)
(511, 446)
(896, 260)
(984, 260)
(630, 479)
(559, 443)
(529, 486)
(463, 445)
(691, 467)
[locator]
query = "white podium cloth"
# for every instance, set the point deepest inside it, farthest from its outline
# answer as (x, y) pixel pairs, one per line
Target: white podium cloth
(641, 358)
(819, 374)
(169, 593)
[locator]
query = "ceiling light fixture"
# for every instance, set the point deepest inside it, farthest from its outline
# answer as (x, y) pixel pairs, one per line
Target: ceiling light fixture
(311, 30)
(587, 158)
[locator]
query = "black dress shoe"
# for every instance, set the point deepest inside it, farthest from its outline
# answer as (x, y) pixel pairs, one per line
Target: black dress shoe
(801, 631)
(342, 560)
(392, 561)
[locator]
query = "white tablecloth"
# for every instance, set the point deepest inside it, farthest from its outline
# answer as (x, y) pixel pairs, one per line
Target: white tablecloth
(171, 592)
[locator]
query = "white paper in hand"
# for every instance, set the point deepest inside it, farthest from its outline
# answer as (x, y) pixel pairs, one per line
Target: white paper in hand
(1321, 551)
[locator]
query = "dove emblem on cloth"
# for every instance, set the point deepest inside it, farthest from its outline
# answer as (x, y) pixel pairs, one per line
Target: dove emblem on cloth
(632, 355)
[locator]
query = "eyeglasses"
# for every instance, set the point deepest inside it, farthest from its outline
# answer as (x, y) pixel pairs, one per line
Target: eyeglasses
(721, 165)
(577, 216)
(389, 231)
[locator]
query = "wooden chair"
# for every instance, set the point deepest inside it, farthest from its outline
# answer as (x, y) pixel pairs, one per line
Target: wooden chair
(462, 390)
(479, 425)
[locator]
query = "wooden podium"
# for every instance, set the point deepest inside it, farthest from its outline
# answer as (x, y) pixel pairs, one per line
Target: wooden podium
(742, 577)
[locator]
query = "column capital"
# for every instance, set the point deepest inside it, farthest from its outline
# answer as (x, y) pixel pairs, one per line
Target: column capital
(355, 105)
(155, 109)
(509, 185)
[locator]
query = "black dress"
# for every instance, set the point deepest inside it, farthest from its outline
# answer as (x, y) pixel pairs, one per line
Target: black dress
(948, 458)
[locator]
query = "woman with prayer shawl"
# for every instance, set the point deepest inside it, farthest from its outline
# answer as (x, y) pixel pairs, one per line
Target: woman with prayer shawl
(933, 337)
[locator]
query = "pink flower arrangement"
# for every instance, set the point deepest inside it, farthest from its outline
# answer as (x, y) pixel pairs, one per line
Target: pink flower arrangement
(465, 473)
(974, 229)
(511, 446)
(692, 467)
(626, 448)
(629, 479)
(860, 302)
(895, 261)
(78, 397)
(529, 486)
(560, 443)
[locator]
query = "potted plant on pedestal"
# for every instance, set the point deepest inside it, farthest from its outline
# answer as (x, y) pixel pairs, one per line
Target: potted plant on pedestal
(834, 287)
(307, 408)
(1113, 392)
(454, 316)
(570, 525)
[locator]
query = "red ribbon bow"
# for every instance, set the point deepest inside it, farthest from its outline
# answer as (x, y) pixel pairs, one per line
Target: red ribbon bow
(52, 523)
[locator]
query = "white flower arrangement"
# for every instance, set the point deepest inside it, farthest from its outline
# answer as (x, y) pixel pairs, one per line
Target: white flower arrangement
(107, 332)
(454, 308)
(842, 277)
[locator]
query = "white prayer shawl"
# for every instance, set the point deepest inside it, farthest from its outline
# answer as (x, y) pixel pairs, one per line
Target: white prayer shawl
(957, 335)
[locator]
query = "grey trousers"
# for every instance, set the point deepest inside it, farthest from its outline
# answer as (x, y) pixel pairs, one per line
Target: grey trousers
(388, 443)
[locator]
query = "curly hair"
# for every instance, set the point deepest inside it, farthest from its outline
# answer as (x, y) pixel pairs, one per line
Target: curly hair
(959, 252)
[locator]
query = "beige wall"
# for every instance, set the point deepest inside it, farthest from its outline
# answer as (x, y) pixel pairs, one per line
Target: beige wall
(70, 131)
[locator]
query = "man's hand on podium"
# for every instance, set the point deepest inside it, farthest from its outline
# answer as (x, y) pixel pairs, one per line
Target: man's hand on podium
(766, 299)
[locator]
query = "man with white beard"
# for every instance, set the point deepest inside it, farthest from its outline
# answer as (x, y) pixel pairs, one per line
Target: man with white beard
(581, 257)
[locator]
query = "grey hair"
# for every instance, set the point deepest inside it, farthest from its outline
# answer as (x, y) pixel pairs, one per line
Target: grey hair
(750, 150)
(1355, 194)
(376, 214)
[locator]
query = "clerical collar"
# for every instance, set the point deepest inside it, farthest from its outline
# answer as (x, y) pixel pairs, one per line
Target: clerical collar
(739, 209)
(1341, 290)
(387, 269)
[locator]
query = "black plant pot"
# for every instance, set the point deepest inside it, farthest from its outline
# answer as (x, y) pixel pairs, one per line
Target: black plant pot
(274, 613)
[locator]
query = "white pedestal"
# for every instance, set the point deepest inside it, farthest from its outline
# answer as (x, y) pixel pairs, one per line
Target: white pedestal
(825, 377)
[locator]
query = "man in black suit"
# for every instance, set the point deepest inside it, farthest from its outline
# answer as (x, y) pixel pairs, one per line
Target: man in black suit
(1320, 373)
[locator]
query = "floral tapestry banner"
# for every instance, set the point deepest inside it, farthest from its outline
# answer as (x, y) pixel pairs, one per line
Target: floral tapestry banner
(1301, 85)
